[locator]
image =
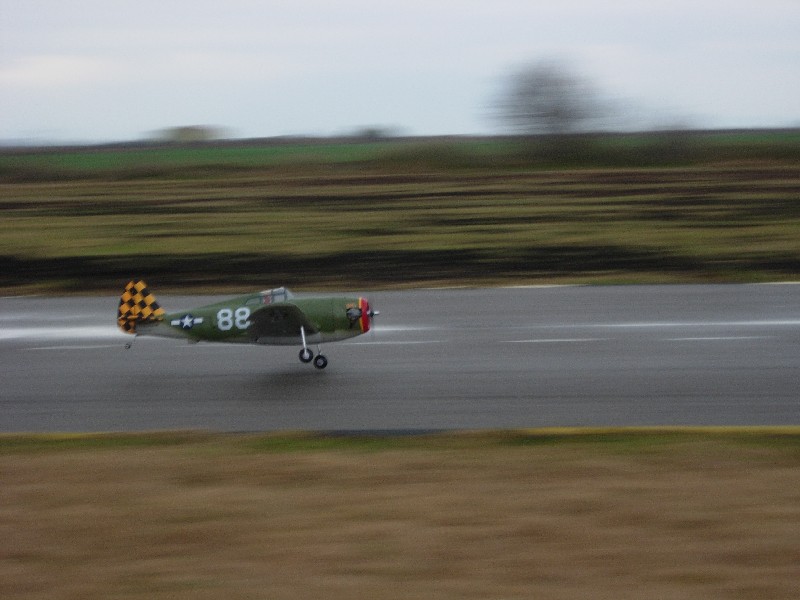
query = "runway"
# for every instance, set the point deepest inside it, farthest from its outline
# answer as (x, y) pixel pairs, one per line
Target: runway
(438, 359)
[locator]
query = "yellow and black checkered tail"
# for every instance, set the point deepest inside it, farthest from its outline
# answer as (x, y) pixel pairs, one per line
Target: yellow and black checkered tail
(137, 305)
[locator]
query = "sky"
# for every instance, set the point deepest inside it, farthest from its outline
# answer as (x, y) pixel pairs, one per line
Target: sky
(106, 70)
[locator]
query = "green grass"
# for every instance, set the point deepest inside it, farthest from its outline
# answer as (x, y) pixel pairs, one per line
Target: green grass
(204, 160)
(48, 443)
(617, 439)
(391, 214)
(655, 440)
(136, 162)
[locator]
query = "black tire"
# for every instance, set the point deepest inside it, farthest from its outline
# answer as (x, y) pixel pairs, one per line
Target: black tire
(306, 355)
(320, 361)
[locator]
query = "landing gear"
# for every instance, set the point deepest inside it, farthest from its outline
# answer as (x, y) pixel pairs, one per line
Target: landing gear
(306, 355)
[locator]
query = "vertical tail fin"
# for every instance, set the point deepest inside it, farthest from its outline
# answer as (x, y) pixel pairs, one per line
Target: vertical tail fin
(137, 304)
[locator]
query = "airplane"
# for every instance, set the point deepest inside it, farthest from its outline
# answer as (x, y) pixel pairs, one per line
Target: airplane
(271, 317)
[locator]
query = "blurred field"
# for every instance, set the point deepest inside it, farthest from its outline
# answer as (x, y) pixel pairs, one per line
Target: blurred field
(385, 214)
(507, 515)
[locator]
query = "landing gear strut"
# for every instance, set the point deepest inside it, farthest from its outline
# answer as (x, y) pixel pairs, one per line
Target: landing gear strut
(306, 355)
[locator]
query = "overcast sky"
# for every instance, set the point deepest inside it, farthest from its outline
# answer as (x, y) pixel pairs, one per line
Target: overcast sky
(100, 70)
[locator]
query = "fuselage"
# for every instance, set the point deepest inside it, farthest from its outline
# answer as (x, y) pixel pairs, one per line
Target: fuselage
(234, 320)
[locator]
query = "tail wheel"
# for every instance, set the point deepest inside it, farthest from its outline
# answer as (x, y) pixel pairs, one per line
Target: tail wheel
(306, 355)
(320, 361)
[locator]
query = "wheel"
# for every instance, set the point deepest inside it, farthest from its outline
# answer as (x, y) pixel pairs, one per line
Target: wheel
(320, 362)
(306, 355)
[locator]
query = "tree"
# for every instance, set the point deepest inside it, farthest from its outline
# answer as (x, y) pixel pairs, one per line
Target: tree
(191, 133)
(548, 98)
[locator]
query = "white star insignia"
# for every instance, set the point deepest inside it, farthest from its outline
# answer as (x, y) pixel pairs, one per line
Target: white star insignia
(186, 322)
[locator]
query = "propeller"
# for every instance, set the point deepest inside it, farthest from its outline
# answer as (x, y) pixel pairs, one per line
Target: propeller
(356, 314)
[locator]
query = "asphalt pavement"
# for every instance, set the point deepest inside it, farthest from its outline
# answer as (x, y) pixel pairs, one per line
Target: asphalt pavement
(437, 359)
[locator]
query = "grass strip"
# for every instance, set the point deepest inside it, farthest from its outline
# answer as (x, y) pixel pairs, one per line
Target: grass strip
(689, 513)
(370, 229)
(625, 438)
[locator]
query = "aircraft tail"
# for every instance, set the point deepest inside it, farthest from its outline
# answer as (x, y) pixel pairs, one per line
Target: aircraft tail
(137, 305)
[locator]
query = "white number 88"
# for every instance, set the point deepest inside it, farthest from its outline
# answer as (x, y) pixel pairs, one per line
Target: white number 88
(226, 318)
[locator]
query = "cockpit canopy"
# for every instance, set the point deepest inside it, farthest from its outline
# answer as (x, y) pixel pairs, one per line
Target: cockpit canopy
(280, 294)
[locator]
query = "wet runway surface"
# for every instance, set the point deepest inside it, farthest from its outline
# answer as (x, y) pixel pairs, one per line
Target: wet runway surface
(438, 359)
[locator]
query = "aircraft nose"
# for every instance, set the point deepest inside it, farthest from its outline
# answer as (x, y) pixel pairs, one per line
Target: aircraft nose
(366, 315)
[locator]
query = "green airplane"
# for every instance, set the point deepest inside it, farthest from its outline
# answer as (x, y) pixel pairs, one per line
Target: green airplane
(271, 317)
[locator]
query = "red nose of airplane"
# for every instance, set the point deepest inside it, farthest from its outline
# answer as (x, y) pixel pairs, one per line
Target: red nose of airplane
(366, 315)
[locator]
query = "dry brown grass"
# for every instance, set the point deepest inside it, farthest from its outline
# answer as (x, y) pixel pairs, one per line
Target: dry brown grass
(220, 519)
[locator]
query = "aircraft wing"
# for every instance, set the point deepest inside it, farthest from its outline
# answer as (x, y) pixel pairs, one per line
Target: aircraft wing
(279, 321)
